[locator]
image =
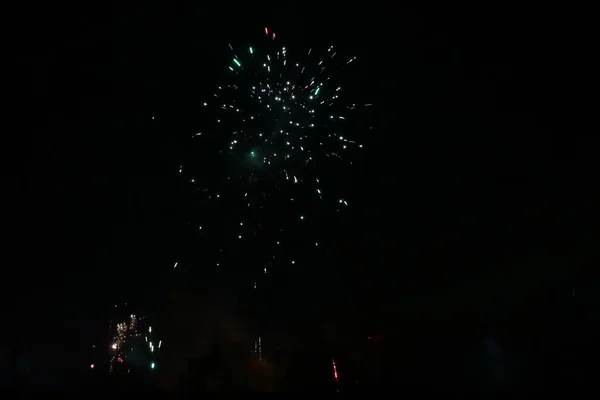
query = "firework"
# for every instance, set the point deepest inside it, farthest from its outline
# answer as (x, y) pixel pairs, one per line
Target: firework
(129, 346)
(270, 164)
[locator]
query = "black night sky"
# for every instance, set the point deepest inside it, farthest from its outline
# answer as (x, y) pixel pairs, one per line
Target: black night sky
(477, 194)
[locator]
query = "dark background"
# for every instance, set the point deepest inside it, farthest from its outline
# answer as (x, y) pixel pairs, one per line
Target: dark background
(478, 194)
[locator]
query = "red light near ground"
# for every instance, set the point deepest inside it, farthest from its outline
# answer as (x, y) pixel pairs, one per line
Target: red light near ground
(335, 374)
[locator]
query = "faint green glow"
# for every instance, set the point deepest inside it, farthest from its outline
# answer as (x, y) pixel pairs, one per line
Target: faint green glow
(317, 91)
(251, 51)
